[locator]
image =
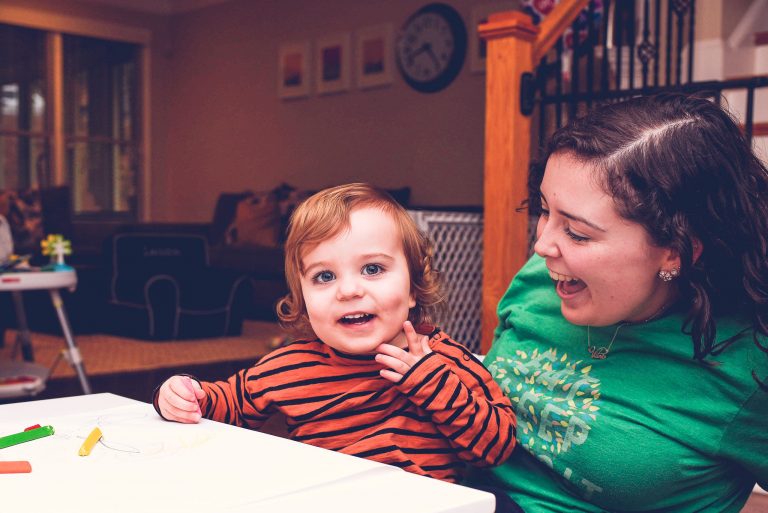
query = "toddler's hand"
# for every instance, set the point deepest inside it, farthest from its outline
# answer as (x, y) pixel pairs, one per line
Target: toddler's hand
(178, 399)
(400, 361)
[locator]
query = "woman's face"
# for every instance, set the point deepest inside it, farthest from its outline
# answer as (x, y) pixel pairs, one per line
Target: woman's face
(604, 267)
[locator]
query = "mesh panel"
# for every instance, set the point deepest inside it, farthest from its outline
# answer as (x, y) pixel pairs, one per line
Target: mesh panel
(458, 240)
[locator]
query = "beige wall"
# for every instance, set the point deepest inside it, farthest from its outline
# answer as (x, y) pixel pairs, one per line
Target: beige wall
(218, 125)
(228, 131)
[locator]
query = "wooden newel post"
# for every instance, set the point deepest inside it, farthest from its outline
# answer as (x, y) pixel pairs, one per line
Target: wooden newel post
(510, 38)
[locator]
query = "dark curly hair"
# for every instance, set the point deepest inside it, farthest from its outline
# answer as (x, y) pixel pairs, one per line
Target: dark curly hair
(326, 214)
(680, 166)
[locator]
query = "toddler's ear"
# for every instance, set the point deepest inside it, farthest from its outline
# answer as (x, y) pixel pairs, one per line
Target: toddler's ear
(411, 300)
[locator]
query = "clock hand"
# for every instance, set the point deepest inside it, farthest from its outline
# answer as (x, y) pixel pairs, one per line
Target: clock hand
(432, 55)
(423, 48)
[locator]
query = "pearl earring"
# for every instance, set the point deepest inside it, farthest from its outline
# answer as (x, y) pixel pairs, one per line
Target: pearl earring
(669, 275)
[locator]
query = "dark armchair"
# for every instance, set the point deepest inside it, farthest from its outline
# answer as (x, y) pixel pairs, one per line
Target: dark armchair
(163, 288)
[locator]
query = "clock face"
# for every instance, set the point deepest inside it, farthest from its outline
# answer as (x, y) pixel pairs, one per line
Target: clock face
(431, 47)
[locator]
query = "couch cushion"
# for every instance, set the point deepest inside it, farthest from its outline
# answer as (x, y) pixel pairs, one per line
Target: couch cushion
(256, 222)
(257, 261)
(24, 213)
(248, 219)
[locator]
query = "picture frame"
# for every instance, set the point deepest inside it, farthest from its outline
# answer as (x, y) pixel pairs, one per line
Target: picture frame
(374, 53)
(332, 63)
(293, 70)
(477, 48)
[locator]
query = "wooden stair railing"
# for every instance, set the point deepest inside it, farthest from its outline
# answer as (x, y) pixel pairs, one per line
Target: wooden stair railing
(514, 46)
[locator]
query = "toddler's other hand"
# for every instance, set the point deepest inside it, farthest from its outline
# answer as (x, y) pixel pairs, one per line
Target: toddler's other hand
(400, 361)
(178, 399)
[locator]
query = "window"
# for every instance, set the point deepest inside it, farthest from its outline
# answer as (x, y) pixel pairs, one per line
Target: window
(98, 132)
(100, 110)
(24, 133)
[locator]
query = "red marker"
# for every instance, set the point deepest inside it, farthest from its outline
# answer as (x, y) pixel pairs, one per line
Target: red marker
(15, 467)
(30, 428)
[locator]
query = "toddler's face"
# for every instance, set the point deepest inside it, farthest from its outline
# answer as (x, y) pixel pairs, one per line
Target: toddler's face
(356, 285)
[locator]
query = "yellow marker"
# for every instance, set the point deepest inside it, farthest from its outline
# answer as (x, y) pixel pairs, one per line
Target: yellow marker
(94, 437)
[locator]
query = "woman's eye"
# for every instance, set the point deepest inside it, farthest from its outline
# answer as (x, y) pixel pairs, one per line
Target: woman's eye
(544, 212)
(575, 236)
(371, 269)
(323, 277)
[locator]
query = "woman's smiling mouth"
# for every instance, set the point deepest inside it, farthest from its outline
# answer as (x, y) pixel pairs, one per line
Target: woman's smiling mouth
(566, 284)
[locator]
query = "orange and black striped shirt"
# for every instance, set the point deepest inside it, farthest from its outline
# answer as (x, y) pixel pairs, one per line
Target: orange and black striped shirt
(447, 411)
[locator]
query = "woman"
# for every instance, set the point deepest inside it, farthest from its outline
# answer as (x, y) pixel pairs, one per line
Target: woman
(633, 343)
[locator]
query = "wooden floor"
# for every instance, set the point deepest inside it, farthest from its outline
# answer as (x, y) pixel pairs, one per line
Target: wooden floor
(132, 368)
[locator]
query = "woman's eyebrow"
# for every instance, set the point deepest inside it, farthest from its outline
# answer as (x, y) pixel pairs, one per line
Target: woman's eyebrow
(574, 217)
(580, 219)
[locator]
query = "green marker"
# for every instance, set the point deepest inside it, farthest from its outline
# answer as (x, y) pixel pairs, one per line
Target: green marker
(25, 436)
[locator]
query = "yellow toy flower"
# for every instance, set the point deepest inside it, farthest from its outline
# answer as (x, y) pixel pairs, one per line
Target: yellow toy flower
(56, 246)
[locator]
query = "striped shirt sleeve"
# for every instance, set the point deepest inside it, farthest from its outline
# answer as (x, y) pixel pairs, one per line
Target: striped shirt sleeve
(241, 400)
(229, 401)
(464, 401)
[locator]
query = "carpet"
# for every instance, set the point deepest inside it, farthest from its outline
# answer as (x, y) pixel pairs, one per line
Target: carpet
(132, 367)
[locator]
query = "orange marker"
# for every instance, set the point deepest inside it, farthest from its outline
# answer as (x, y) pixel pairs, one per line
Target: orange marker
(15, 467)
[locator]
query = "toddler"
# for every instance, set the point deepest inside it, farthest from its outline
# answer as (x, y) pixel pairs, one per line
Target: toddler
(362, 380)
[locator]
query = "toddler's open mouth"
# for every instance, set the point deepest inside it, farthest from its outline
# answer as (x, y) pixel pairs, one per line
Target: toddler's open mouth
(356, 318)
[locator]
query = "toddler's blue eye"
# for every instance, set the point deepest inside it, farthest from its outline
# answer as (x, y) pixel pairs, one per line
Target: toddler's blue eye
(371, 269)
(323, 277)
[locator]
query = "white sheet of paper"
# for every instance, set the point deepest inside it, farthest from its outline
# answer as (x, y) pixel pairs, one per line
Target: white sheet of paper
(146, 464)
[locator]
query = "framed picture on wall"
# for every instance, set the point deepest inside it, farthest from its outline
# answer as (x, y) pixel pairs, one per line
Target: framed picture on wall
(332, 62)
(480, 15)
(293, 70)
(374, 56)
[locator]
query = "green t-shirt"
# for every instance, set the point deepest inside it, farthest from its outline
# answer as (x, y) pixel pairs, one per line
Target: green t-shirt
(646, 429)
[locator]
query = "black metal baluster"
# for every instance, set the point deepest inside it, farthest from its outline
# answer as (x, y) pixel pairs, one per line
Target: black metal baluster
(657, 45)
(691, 22)
(750, 113)
(618, 39)
(645, 50)
(631, 43)
(575, 47)
(559, 84)
(541, 79)
(604, 71)
(591, 43)
(680, 8)
(668, 64)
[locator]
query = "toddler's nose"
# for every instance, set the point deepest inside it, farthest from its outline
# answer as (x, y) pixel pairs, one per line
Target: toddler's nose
(348, 287)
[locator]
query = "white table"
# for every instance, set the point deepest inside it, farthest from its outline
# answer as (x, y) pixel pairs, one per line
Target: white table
(151, 465)
(52, 281)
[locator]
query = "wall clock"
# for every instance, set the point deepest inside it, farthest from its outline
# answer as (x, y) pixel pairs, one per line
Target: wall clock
(431, 47)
